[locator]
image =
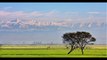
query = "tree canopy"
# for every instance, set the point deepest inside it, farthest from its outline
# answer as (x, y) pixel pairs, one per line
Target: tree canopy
(78, 39)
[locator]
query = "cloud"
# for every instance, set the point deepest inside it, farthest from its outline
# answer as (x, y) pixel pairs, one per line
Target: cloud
(53, 17)
(19, 13)
(22, 13)
(94, 12)
(4, 13)
(52, 13)
(7, 8)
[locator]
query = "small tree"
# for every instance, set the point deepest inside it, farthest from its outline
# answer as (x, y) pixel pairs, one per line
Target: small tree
(78, 40)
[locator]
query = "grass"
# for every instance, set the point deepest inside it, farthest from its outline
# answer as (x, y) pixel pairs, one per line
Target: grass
(53, 51)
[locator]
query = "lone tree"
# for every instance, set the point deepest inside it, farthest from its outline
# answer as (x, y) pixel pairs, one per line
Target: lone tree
(78, 40)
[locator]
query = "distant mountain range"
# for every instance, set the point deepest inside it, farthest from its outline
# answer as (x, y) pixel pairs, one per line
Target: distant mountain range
(18, 24)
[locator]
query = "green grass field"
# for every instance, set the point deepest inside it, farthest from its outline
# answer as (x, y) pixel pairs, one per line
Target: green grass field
(53, 51)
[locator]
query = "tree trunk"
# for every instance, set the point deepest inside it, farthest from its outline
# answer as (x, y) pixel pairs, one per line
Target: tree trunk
(71, 50)
(82, 50)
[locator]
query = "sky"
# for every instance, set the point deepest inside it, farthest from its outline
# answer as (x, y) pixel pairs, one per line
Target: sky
(26, 23)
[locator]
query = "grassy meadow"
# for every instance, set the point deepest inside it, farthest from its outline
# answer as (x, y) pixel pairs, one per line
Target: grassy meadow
(51, 51)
